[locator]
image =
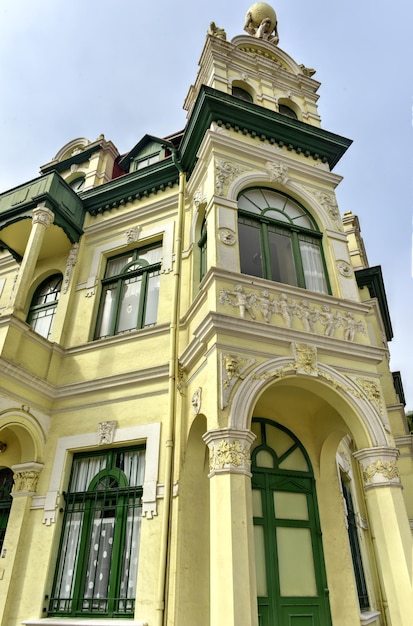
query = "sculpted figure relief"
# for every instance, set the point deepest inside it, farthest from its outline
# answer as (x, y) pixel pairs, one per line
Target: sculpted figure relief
(261, 22)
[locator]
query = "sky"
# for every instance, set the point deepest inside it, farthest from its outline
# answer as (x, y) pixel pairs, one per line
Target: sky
(123, 69)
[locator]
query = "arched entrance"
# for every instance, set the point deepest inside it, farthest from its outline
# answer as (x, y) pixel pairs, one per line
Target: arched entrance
(291, 578)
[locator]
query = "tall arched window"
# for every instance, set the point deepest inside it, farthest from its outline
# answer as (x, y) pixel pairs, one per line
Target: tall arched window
(43, 306)
(291, 578)
(6, 484)
(279, 240)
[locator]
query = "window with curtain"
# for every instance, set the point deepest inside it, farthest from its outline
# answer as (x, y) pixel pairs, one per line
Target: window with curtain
(130, 292)
(96, 572)
(44, 304)
(279, 240)
(6, 484)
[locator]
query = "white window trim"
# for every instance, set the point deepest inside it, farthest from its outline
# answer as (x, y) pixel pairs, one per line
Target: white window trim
(111, 247)
(150, 433)
(61, 621)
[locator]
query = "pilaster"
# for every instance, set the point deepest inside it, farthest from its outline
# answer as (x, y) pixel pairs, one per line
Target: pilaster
(390, 530)
(232, 567)
(14, 551)
(42, 219)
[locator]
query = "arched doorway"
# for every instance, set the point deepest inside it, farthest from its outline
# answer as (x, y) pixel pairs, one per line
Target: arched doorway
(291, 578)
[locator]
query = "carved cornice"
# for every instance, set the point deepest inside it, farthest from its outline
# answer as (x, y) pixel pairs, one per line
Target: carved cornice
(229, 451)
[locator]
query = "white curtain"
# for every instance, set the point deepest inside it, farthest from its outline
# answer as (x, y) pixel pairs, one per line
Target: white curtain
(313, 267)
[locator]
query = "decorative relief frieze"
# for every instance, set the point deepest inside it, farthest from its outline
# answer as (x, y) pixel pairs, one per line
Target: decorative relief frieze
(25, 477)
(196, 400)
(200, 198)
(106, 432)
(42, 215)
(132, 234)
(70, 263)
(329, 204)
(345, 269)
(379, 467)
(305, 359)
(233, 369)
(278, 171)
(226, 172)
(314, 319)
(227, 236)
(389, 470)
(372, 391)
(229, 451)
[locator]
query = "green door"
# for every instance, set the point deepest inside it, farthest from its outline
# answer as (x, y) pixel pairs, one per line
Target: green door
(291, 579)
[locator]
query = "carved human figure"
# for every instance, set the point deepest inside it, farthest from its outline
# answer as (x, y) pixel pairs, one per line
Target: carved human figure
(303, 311)
(216, 31)
(284, 309)
(266, 305)
(242, 300)
(263, 31)
(328, 319)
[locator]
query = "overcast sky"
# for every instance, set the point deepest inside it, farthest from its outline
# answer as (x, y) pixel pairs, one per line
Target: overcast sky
(87, 67)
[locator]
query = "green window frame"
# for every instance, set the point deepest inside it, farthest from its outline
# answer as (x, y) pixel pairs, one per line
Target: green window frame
(43, 306)
(353, 537)
(96, 572)
(279, 240)
(291, 577)
(130, 292)
(6, 484)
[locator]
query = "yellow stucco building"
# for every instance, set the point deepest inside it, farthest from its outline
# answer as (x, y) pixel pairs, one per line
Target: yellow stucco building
(198, 424)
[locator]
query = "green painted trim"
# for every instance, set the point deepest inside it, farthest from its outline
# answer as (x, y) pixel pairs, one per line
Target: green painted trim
(250, 119)
(125, 161)
(398, 386)
(51, 189)
(372, 278)
(76, 159)
(152, 179)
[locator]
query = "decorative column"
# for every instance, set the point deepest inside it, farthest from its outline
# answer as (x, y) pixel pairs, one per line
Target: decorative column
(390, 530)
(25, 477)
(232, 567)
(42, 219)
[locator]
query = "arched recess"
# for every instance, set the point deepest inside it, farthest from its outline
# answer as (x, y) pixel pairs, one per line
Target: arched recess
(333, 394)
(192, 602)
(24, 436)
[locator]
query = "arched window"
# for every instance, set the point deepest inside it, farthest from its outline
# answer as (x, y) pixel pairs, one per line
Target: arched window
(130, 291)
(288, 111)
(43, 306)
(6, 484)
(279, 240)
(242, 94)
(291, 578)
(97, 567)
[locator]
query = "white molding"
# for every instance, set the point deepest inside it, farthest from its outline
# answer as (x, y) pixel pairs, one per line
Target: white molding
(97, 621)
(368, 617)
(147, 432)
(165, 230)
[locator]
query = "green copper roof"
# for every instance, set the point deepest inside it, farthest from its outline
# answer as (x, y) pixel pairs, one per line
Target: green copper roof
(248, 118)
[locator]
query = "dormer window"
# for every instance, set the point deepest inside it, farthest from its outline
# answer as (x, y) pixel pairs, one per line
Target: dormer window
(139, 164)
(77, 184)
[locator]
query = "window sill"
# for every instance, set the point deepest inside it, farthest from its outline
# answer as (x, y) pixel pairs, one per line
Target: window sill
(81, 621)
(368, 617)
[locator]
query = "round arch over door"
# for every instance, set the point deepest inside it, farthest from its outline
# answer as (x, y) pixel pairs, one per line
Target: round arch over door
(291, 578)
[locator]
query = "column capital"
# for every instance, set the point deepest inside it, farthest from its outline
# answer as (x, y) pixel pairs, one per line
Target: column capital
(25, 476)
(42, 215)
(379, 467)
(229, 451)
